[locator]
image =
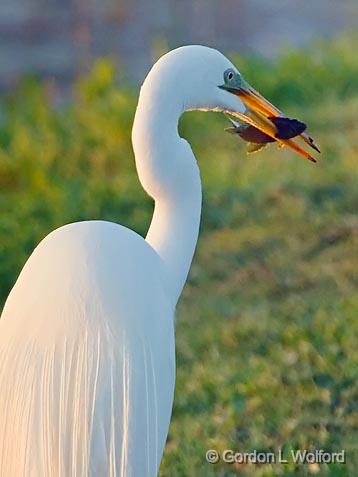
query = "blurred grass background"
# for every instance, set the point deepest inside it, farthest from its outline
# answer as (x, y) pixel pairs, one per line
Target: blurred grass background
(267, 326)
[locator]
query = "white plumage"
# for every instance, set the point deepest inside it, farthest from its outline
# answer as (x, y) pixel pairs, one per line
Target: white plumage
(87, 372)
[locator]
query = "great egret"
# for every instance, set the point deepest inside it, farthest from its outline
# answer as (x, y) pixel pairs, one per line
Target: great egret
(87, 359)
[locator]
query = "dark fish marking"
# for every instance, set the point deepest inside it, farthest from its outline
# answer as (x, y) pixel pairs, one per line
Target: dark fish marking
(313, 145)
(287, 128)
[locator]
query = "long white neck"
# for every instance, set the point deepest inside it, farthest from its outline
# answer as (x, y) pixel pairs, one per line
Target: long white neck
(168, 171)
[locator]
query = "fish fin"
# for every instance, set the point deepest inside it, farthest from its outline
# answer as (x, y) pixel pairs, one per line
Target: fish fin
(253, 147)
(231, 130)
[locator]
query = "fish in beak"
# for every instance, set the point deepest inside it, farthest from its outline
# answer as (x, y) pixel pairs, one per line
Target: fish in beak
(262, 122)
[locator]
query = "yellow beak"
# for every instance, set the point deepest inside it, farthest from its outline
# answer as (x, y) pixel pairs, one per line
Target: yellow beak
(258, 114)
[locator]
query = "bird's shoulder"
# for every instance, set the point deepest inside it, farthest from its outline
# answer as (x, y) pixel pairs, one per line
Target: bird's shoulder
(85, 267)
(94, 241)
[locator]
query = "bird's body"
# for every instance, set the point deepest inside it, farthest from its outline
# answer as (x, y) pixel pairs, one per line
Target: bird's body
(87, 353)
(83, 382)
(90, 375)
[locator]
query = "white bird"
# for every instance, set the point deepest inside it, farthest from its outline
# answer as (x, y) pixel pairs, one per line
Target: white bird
(87, 352)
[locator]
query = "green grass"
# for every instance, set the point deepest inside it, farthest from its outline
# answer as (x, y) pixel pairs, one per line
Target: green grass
(267, 325)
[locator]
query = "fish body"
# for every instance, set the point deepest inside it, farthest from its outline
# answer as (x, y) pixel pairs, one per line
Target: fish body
(287, 128)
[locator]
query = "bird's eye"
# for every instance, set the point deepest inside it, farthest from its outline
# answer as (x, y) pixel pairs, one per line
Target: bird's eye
(230, 75)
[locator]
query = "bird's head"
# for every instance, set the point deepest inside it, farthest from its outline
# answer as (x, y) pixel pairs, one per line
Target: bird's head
(205, 79)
